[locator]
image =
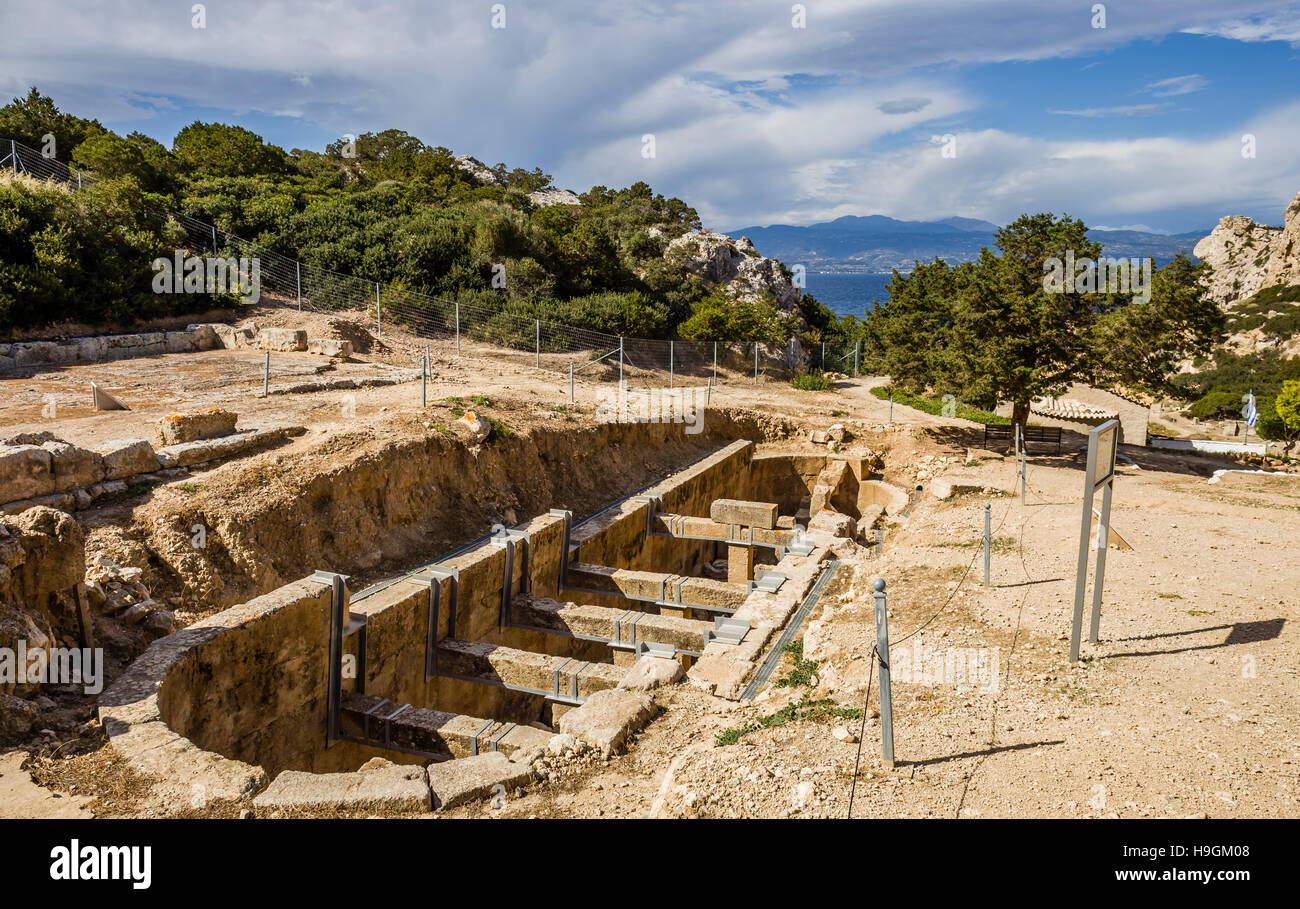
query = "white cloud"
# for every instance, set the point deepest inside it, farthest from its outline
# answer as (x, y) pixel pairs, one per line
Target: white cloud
(1129, 110)
(1283, 25)
(1178, 85)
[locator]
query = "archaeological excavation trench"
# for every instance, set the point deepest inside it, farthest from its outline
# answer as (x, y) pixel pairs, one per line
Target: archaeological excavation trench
(471, 663)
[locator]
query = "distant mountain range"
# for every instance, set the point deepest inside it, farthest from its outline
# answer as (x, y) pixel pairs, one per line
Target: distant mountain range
(876, 243)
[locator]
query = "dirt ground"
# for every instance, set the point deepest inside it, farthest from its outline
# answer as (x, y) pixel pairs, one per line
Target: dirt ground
(1186, 706)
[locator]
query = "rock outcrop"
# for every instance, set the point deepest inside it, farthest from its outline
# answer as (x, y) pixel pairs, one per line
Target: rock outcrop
(541, 198)
(720, 259)
(1247, 256)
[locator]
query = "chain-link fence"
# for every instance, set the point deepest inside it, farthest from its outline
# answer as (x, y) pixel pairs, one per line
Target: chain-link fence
(555, 347)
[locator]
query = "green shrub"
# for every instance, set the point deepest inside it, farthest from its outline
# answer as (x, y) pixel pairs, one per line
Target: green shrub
(810, 381)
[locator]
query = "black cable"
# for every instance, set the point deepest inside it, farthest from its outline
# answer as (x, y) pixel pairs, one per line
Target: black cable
(862, 730)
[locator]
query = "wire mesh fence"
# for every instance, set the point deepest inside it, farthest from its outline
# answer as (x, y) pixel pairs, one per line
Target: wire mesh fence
(473, 327)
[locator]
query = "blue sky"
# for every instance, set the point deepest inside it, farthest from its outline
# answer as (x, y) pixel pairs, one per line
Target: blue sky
(755, 121)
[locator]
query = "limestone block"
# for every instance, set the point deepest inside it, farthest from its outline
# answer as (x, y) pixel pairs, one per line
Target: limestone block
(652, 672)
(282, 339)
(379, 787)
(608, 718)
(74, 467)
(470, 778)
(127, 457)
(26, 472)
(751, 514)
(329, 347)
(192, 426)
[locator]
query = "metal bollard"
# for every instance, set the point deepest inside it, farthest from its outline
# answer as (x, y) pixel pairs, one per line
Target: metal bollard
(882, 658)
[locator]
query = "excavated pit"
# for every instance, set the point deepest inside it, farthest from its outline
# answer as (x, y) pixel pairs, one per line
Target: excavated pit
(556, 623)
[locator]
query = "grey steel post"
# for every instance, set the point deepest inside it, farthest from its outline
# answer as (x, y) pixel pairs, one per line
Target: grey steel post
(424, 379)
(570, 381)
(1103, 541)
(1023, 456)
(266, 375)
(297, 267)
(458, 328)
(670, 363)
(755, 361)
(13, 155)
(823, 356)
(857, 350)
(988, 539)
(379, 312)
(538, 362)
(882, 658)
(338, 620)
(1081, 576)
(620, 364)
(214, 239)
(708, 397)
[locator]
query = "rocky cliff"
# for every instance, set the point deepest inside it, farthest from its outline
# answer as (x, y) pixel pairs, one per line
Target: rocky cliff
(1247, 256)
(718, 258)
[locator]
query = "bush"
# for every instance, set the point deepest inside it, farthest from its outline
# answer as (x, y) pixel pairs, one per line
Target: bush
(935, 405)
(811, 381)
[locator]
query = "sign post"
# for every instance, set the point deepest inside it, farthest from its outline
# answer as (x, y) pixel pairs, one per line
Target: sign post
(1103, 444)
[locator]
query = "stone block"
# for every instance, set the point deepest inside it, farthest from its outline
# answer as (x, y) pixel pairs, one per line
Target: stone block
(468, 779)
(192, 426)
(282, 339)
(652, 672)
(608, 718)
(127, 457)
(750, 514)
(380, 786)
(74, 467)
(329, 347)
(26, 472)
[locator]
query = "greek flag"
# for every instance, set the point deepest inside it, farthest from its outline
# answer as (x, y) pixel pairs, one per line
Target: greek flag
(1250, 413)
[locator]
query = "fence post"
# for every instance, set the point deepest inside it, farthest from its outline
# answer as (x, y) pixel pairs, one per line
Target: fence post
(715, 365)
(379, 312)
(458, 328)
(424, 378)
(214, 239)
(988, 533)
(266, 375)
(538, 362)
(755, 362)
(620, 364)
(297, 267)
(670, 363)
(823, 356)
(882, 657)
(570, 381)
(13, 156)
(857, 349)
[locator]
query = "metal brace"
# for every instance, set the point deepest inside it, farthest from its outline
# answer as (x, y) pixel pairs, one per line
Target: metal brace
(338, 619)
(564, 548)
(652, 648)
(728, 630)
(502, 734)
(433, 576)
(556, 680)
(473, 742)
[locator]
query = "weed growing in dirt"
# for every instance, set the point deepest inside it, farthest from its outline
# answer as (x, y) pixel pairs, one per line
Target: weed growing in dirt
(802, 672)
(481, 400)
(791, 713)
(499, 430)
(188, 487)
(997, 544)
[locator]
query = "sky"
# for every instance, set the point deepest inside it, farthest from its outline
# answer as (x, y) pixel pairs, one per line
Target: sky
(1127, 114)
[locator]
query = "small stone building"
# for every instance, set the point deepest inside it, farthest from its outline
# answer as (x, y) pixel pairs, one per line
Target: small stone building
(1082, 407)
